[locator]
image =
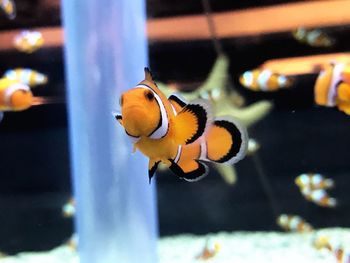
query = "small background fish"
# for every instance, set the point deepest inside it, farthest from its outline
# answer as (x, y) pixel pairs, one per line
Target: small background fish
(9, 8)
(28, 41)
(313, 37)
(26, 76)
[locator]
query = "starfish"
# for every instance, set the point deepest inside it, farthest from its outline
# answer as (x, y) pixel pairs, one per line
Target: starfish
(226, 102)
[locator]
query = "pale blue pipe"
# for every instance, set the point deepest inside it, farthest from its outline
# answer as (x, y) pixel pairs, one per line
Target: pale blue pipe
(105, 54)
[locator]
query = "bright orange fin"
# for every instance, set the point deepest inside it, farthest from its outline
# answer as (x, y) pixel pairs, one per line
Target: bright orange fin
(226, 141)
(177, 102)
(344, 107)
(152, 167)
(344, 91)
(190, 170)
(191, 121)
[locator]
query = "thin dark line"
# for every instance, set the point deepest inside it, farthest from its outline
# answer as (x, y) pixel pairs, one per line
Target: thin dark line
(266, 185)
(211, 26)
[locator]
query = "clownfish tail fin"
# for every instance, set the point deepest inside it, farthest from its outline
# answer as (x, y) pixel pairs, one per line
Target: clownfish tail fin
(226, 141)
(192, 121)
(189, 170)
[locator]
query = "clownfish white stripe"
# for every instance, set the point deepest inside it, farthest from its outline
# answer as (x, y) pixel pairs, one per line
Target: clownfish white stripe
(203, 149)
(263, 79)
(163, 128)
(248, 78)
(282, 81)
(178, 154)
(10, 90)
(294, 222)
(313, 35)
(338, 68)
(316, 179)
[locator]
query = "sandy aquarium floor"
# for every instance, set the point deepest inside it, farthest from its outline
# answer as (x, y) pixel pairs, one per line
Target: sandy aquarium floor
(242, 247)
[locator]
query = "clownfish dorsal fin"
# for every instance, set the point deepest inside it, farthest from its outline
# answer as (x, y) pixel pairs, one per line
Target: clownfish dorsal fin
(189, 170)
(177, 102)
(191, 122)
(152, 167)
(148, 74)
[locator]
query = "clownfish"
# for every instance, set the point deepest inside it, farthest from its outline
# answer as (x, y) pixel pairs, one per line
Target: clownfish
(14, 96)
(341, 255)
(313, 37)
(293, 223)
(9, 7)
(332, 87)
(180, 135)
(313, 181)
(319, 197)
(28, 41)
(26, 76)
(210, 250)
(264, 80)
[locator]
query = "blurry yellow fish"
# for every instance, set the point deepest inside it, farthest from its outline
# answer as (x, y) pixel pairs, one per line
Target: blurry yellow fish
(293, 223)
(182, 136)
(9, 7)
(322, 242)
(26, 76)
(319, 197)
(313, 37)
(313, 181)
(28, 41)
(14, 96)
(68, 209)
(264, 80)
(209, 251)
(332, 87)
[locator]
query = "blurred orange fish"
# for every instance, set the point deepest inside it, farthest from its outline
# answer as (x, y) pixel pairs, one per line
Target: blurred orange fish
(210, 250)
(313, 37)
(28, 41)
(293, 223)
(313, 181)
(264, 80)
(26, 76)
(9, 7)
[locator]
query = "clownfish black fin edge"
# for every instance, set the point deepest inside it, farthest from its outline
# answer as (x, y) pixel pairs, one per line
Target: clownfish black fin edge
(191, 176)
(176, 99)
(152, 167)
(239, 135)
(201, 114)
(118, 117)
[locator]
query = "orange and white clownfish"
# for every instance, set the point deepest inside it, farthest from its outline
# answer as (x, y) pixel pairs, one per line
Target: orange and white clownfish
(210, 250)
(293, 223)
(313, 37)
(9, 7)
(313, 181)
(27, 76)
(264, 80)
(332, 87)
(180, 135)
(28, 41)
(14, 96)
(319, 197)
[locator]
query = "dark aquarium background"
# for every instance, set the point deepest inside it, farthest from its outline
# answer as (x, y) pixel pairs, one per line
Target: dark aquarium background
(296, 137)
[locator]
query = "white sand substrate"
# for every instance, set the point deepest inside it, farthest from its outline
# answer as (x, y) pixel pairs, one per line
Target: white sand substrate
(236, 247)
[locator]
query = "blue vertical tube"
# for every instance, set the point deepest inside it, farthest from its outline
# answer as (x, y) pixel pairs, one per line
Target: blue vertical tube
(105, 53)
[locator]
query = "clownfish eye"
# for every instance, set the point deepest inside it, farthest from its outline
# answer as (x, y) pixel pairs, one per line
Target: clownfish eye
(121, 100)
(149, 95)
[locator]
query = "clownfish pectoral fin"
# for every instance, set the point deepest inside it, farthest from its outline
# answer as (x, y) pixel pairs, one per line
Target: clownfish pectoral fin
(177, 102)
(119, 118)
(152, 167)
(191, 170)
(191, 122)
(226, 141)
